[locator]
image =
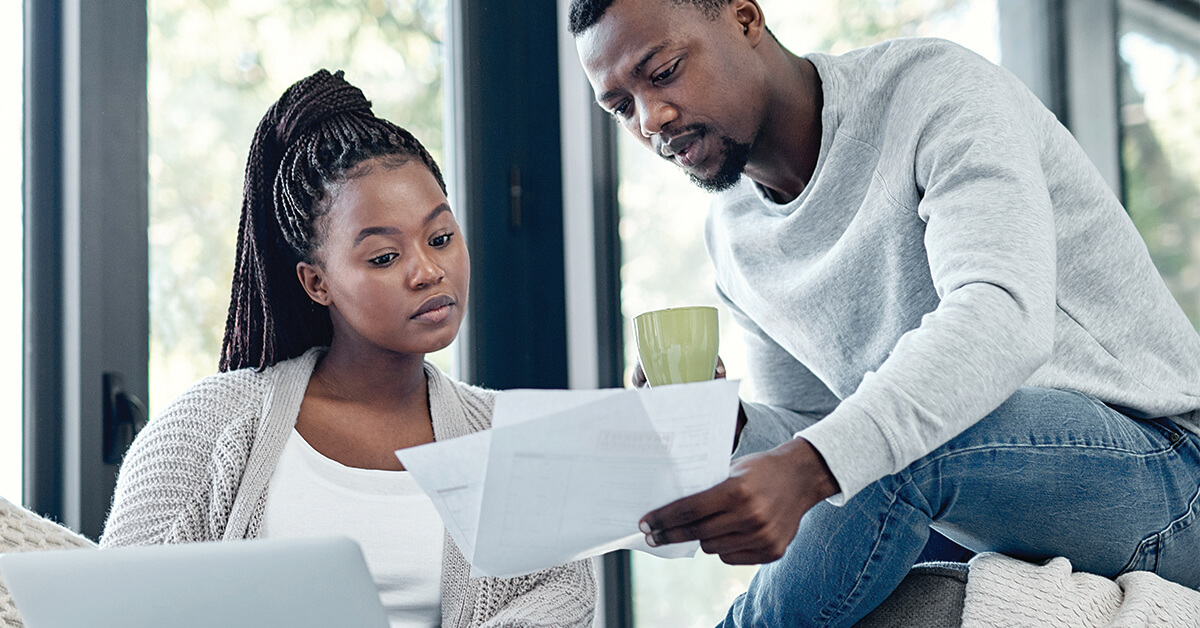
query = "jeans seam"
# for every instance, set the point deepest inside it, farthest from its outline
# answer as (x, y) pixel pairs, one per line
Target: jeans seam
(997, 446)
(1153, 424)
(1158, 539)
(1184, 521)
(894, 499)
(1139, 554)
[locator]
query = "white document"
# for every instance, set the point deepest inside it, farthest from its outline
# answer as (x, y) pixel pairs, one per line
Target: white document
(564, 475)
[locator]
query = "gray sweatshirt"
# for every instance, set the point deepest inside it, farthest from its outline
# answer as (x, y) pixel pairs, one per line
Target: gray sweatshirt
(954, 244)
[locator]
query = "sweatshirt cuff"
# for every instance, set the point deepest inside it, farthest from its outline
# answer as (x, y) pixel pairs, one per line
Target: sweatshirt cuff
(855, 448)
(768, 427)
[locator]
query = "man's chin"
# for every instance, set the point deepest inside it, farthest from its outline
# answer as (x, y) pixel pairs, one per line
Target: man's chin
(729, 173)
(716, 183)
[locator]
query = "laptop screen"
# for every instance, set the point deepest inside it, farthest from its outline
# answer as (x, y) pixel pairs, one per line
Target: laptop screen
(310, 582)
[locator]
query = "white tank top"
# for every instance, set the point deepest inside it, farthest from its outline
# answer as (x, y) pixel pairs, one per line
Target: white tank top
(389, 516)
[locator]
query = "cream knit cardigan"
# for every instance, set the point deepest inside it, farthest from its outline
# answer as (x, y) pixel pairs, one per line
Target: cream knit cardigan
(199, 472)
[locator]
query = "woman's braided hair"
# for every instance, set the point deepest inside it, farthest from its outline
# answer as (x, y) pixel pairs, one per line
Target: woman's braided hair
(309, 140)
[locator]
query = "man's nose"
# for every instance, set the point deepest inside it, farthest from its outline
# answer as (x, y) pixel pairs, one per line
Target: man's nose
(656, 116)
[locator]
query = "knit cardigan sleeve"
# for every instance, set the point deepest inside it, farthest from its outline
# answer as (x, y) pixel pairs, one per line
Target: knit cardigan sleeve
(179, 478)
(559, 596)
(562, 596)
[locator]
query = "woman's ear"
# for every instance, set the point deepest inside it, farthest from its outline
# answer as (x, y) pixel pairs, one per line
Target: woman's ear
(313, 281)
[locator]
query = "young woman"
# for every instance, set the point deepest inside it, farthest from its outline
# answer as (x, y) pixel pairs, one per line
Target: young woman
(350, 268)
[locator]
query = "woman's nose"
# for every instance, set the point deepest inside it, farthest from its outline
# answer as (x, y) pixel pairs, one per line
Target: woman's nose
(425, 272)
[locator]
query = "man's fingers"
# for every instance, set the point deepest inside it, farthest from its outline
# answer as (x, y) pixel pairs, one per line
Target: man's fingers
(746, 558)
(717, 526)
(731, 544)
(749, 542)
(639, 376)
(687, 511)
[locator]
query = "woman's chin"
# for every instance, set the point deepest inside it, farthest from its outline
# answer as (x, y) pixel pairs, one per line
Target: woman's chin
(436, 342)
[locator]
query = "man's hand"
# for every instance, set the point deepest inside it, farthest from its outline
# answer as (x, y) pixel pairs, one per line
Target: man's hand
(751, 517)
(639, 381)
(639, 376)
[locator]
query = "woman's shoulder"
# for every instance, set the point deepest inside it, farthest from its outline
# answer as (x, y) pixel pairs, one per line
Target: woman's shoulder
(187, 431)
(216, 400)
(447, 394)
(179, 456)
(484, 397)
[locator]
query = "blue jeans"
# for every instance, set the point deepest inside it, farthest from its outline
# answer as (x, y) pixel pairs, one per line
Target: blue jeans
(1048, 473)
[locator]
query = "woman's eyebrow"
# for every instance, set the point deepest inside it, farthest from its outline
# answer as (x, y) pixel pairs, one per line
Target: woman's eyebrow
(437, 211)
(370, 231)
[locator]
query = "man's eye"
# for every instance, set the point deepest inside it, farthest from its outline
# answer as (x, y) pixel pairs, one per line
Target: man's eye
(382, 260)
(665, 74)
(620, 110)
(441, 241)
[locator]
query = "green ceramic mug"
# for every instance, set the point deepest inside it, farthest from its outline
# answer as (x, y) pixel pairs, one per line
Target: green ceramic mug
(677, 345)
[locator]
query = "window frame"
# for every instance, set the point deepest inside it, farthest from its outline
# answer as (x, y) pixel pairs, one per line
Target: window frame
(85, 283)
(541, 212)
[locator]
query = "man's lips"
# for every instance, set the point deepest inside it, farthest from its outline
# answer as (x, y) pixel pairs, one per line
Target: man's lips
(681, 149)
(433, 303)
(677, 144)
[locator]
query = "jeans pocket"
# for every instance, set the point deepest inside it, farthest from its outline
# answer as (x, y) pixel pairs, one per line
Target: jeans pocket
(1171, 435)
(1145, 557)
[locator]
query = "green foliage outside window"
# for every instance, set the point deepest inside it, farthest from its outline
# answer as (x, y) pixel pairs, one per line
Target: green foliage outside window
(214, 68)
(1160, 155)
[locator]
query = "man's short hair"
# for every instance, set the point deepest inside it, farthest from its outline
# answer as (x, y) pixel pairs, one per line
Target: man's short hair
(585, 13)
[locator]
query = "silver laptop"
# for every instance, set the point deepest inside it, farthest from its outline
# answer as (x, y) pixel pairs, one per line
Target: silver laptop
(315, 582)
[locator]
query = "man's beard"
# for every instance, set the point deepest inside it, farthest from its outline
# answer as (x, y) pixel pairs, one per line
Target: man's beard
(735, 157)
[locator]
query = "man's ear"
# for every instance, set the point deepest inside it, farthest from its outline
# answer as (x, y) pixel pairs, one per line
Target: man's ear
(749, 15)
(313, 281)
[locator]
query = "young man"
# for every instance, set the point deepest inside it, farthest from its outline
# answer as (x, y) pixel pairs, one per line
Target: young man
(942, 300)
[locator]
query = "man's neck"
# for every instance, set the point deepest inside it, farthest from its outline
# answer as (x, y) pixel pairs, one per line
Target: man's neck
(785, 156)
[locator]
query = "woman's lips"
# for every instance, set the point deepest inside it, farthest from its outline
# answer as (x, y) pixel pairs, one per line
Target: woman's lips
(435, 309)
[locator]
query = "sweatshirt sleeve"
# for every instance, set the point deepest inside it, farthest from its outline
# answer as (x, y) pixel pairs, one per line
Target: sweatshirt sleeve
(789, 397)
(990, 242)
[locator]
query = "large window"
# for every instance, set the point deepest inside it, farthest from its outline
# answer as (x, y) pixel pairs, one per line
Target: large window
(665, 264)
(215, 66)
(10, 250)
(1159, 59)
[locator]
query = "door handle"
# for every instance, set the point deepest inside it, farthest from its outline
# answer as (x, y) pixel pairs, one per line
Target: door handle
(124, 417)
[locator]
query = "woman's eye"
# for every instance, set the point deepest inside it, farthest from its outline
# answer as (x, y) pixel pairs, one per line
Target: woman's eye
(665, 74)
(382, 260)
(442, 240)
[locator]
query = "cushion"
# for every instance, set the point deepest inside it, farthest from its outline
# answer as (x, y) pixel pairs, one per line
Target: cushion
(930, 596)
(22, 530)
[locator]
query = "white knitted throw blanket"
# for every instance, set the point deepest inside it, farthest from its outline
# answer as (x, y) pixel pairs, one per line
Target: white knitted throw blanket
(24, 531)
(1004, 592)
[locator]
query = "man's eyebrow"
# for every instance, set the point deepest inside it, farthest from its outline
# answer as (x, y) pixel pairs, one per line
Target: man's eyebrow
(641, 65)
(637, 69)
